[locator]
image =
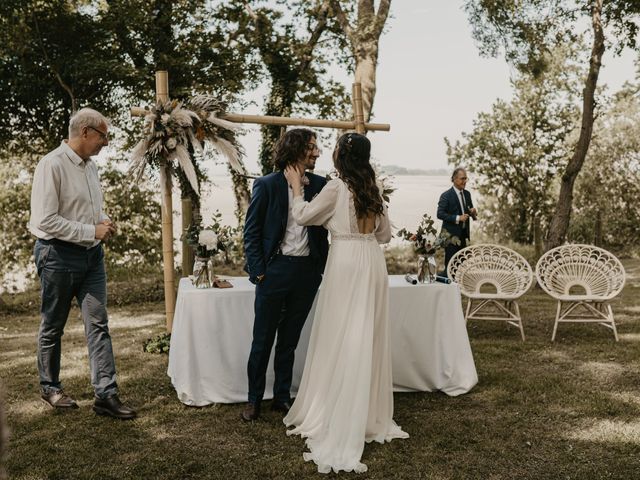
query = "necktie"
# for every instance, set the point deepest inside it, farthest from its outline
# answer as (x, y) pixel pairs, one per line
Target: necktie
(464, 205)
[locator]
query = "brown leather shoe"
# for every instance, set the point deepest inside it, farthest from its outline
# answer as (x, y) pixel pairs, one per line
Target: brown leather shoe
(250, 413)
(58, 399)
(113, 407)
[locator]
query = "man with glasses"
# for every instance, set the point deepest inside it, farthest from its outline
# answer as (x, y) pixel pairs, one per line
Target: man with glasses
(70, 225)
(285, 261)
(456, 210)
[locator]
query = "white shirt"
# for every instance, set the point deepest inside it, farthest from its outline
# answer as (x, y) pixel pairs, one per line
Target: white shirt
(296, 239)
(458, 193)
(66, 198)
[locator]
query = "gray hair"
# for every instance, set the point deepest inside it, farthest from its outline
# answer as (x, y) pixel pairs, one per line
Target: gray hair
(456, 171)
(85, 117)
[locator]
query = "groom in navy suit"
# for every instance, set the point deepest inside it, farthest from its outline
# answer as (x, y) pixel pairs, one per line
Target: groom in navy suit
(285, 262)
(456, 210)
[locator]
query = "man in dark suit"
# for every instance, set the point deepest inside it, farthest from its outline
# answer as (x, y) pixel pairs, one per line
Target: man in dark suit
(456, 210)
(285, 262)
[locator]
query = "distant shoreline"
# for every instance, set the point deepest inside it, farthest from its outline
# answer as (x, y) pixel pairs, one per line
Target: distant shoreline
(396, 170)
(403, 172)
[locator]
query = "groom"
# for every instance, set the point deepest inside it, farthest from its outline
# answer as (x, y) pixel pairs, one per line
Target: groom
(285, 262)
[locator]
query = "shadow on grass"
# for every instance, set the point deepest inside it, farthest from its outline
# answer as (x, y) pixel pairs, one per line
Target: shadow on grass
(541, 410)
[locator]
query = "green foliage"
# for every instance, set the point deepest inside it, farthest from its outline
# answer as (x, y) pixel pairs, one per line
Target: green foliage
(233, 257)
(57, 56)
(135, 210)
(426, 239)
(207, 240)
(158, 344)
(296, 42)
(606, 204)
(16, 243)
(519, 147)
(527, 31)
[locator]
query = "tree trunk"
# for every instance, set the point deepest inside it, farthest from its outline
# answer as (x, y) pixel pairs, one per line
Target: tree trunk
(366, 62)
(597, 234)
(363, 38)
(537, 236)
(562, 215)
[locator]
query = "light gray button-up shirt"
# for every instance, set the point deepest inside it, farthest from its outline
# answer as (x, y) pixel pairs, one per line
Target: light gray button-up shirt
(66, 198)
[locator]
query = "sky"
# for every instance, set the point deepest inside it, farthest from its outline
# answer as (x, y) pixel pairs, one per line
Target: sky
(431, 84)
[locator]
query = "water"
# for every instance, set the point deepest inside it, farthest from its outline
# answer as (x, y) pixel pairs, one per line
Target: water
(414, 196)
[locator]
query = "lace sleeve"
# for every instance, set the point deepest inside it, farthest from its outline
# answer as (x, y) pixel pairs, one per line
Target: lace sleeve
(318, 210)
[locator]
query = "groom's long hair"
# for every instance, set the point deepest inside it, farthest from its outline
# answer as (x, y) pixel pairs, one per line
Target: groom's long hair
(351, 160)
(291, 147)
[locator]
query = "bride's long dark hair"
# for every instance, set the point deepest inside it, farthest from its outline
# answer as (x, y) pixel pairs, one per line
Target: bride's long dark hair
(351, 160)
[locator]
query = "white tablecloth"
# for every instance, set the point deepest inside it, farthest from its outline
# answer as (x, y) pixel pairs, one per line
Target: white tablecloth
(212, 332)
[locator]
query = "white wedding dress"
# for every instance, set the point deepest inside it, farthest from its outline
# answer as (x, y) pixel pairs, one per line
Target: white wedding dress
(346, 392)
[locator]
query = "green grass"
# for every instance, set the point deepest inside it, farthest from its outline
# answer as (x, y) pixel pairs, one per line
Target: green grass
(541, 410)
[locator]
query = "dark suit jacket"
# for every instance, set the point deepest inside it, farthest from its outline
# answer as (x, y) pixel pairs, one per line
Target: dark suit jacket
(449, 207)
(266, 223)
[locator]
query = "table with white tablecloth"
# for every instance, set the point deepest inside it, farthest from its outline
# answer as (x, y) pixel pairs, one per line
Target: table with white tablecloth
(212, 332)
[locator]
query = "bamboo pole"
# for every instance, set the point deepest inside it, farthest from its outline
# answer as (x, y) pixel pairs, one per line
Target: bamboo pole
(162, 95)
(187, 252)
(284, 121)
(358, 111)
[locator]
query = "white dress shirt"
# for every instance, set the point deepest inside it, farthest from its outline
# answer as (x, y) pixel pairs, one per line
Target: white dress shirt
(458, 193)
(66, 198)
(296, 239)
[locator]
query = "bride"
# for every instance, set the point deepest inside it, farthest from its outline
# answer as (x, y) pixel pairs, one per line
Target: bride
(346, 392)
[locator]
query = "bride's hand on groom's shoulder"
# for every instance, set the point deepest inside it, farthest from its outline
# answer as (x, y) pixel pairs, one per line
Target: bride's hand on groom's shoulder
(292, 174)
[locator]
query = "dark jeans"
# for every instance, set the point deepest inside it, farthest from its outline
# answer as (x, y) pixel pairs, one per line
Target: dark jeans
(69, 271)
(283, 300)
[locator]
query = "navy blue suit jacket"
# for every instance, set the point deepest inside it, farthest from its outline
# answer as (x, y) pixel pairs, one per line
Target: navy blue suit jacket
(449, 207)
(266, 223)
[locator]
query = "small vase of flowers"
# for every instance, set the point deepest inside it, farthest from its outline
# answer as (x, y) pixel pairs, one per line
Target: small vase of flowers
(206, 242)
(426, 241)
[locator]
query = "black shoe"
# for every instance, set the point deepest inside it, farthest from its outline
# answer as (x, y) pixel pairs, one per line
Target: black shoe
(58, 399)
(283, 407)
(251, 412)
(113, 407)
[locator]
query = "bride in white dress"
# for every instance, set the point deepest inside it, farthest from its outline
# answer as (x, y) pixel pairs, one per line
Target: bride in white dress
(346, 392)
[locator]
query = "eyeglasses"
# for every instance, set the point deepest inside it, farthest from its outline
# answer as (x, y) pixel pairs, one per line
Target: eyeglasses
(312, 146)
(103, 135)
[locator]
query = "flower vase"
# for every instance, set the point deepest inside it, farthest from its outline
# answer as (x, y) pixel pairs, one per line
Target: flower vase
(203, 272)
(427, 269)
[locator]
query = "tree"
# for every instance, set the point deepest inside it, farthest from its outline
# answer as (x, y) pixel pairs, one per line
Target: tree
(295, 59)
(607, 193)
(518, 148)
(363, 36)
(60, 55)
(527, 31)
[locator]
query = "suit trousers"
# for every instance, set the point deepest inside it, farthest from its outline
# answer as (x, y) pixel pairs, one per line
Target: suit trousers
(69, 271)
(283, 301)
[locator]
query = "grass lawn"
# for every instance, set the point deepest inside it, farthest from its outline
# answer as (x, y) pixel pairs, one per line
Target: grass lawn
(541, 410)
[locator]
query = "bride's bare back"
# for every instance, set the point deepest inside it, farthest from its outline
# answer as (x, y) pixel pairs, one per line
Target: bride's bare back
(367, 224)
